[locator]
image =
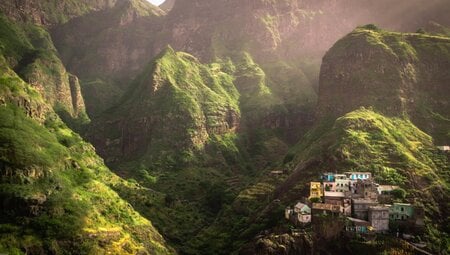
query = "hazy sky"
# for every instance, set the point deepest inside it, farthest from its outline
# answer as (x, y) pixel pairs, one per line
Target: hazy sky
(156, 2)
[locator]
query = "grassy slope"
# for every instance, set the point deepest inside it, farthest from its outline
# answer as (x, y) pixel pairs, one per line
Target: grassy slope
(107, 49)
(58, 194)
(192, 149)
(393, 149)
(397, 73)
(29, 51)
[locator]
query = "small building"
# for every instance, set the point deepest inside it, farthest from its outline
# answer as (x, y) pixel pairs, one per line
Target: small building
(367, 189)
(319, 209)
(379, 218)
(340, 177)
(357, 226)
(339, 198)
(360, 208)
(288, 212)
(316, 190)
(303, 213)
(359, 175)
(401, 211)
(382, 189)
(302, 208)
(277, 172)
(445, 148)
(343, 185)
(328, 177)
(334, 198)
(300, 215)
(329, 186)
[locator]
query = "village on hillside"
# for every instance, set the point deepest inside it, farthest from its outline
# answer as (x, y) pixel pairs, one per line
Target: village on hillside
(363, 207)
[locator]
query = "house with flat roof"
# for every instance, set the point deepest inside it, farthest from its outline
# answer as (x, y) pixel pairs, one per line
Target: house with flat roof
(443, 148)
(386, 188)
(319, 209)
(342, 185)
(357, 226)
(339, 198)
(379, 218)
(316, 190)
(328, 177)
(367, 189)
(329, 186)
(401, 211)
(358, 175)
(360, 208)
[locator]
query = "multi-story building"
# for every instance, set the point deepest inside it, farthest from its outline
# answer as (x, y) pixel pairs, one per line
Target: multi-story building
(367, 189)
(342, 183)
(303, 213)
(316, 190)
(401, 211)
(360, 208)
(379, 218)
(358, 175)
(328, 177)
(357, 226)
(329, 186)
(339, 198)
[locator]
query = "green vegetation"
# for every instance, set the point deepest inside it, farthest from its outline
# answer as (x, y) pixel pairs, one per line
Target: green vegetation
(29, 51)
(63, 190)
(57, 193)
(406, 70)
(393, 149)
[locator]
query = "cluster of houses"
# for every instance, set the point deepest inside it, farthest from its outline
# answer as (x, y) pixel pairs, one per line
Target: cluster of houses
(355, 197)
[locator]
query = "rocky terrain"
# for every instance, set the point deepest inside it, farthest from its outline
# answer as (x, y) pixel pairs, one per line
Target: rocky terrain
(194, 103)
(397, 74)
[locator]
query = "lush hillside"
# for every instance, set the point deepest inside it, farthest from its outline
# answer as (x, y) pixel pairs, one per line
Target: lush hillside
(28, 49)
(398, 74)
(51, 13)
(393, 149)
(196, 127)
(57, 195)
(108, 48)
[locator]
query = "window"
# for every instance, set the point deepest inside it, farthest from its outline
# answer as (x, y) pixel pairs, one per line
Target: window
(402, 209)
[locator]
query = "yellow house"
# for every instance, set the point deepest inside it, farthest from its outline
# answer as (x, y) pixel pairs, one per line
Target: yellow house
(315, 190)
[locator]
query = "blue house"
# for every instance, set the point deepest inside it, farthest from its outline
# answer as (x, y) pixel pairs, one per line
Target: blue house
(328, 177)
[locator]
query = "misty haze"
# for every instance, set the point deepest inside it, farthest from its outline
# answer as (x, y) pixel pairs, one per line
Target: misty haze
(262, 127)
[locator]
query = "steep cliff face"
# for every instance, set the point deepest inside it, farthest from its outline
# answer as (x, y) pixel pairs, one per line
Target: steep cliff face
(50, 13)
(173, 109)
(29, 50)
(290, 28)
(57, 195)
(398, 74)
(108, 48)
(112, 43)
(284, 244)
(392, 149)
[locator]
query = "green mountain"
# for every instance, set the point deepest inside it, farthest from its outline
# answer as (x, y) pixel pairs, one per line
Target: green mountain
(398, 74)
(50, 13)
(57, 195)
(107, 48)
(391, 148)
(381, 139)
(28, 49)
(195, 104)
